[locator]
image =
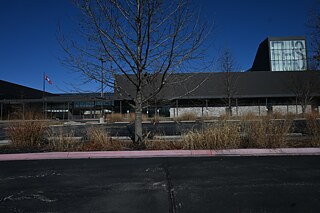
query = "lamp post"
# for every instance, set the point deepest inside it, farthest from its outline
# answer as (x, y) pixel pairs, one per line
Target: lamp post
(102, 60)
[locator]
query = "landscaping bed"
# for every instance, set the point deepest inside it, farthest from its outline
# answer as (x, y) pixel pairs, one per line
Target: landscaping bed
(258, 132)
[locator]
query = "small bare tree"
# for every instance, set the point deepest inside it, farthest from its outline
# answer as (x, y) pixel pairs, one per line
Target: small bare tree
(145, 40)
(228, 66)
(303, 86)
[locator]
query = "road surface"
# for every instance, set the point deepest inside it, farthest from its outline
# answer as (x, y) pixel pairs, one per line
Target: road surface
(216, 184)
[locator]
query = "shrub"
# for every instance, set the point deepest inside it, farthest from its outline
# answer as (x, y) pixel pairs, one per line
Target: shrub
(313, 130)
(266, 133)
(18, 113)
(98, 140)
(249, 116)
(225, 135)
(225, 117)
(115, 117)
(163, 144)
(27, 134)
(62, 142)
(118, 117)
(276, 115)
(187, 116)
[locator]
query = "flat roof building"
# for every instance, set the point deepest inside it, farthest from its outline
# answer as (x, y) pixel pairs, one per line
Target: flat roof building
(279, 80)
(16, 100)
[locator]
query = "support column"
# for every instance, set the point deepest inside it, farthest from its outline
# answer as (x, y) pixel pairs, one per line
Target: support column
(237, 107)
(202, 111)
(51, 108)
(177, 106)
(45, 111)
(23, 111)
(68, 111)
(267, 103)
(64, 106)
(269, 107)
(207, 108)
(94, 110)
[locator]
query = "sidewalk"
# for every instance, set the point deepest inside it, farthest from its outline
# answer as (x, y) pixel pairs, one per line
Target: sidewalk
(161, 154)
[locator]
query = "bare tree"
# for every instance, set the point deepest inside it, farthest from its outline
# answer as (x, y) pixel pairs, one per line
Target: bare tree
(227, 65)
(145, 40)
(303, 85)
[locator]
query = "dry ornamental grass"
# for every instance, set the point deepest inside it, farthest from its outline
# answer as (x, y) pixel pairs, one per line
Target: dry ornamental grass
(266, 133)
(187, 116)
(62, 142)
(225, 135)
(115, 117)
(99, 140)
(260, 132)
(27, 134)
(313, 130)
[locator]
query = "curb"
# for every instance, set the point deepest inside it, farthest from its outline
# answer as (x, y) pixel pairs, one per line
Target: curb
(160, 154)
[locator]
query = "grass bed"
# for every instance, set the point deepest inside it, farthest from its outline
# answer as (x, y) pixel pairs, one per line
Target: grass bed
(260, 132)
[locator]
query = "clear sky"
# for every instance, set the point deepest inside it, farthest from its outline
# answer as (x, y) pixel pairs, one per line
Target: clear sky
(28, 44)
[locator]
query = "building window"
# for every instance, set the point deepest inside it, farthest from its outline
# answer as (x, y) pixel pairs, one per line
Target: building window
(103, 103)
(83, 104)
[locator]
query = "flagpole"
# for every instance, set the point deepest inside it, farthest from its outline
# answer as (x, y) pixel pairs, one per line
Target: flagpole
(44, 83)
(43, 93)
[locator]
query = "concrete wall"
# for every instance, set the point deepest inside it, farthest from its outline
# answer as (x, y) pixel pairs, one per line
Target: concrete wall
(236, 111)
(255, 110)
(198, 111)
(295, 109)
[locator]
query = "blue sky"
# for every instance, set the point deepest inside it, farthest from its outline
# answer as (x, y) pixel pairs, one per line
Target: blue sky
(28, 44)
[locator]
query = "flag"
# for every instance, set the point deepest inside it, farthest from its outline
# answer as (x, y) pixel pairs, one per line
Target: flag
(47, 79)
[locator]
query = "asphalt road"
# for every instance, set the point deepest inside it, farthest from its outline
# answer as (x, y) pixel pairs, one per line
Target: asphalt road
(228, 184)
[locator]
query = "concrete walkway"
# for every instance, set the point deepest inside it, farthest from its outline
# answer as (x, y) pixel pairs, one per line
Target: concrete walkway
(161, 154)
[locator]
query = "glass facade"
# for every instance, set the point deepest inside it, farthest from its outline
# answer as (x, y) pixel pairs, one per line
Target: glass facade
(290, 55)
(92, 104)
(84, 104)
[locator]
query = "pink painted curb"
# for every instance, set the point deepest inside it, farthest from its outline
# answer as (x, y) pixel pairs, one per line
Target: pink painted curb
(160, 153)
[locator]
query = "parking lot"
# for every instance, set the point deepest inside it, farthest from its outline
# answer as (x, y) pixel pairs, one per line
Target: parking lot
(207, 184)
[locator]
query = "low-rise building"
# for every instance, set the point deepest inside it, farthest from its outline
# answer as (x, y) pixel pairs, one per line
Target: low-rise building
(279, 81)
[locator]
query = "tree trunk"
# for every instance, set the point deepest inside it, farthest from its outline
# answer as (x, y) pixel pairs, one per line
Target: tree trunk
(303, 108)
(138, 137)
(229, 106)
